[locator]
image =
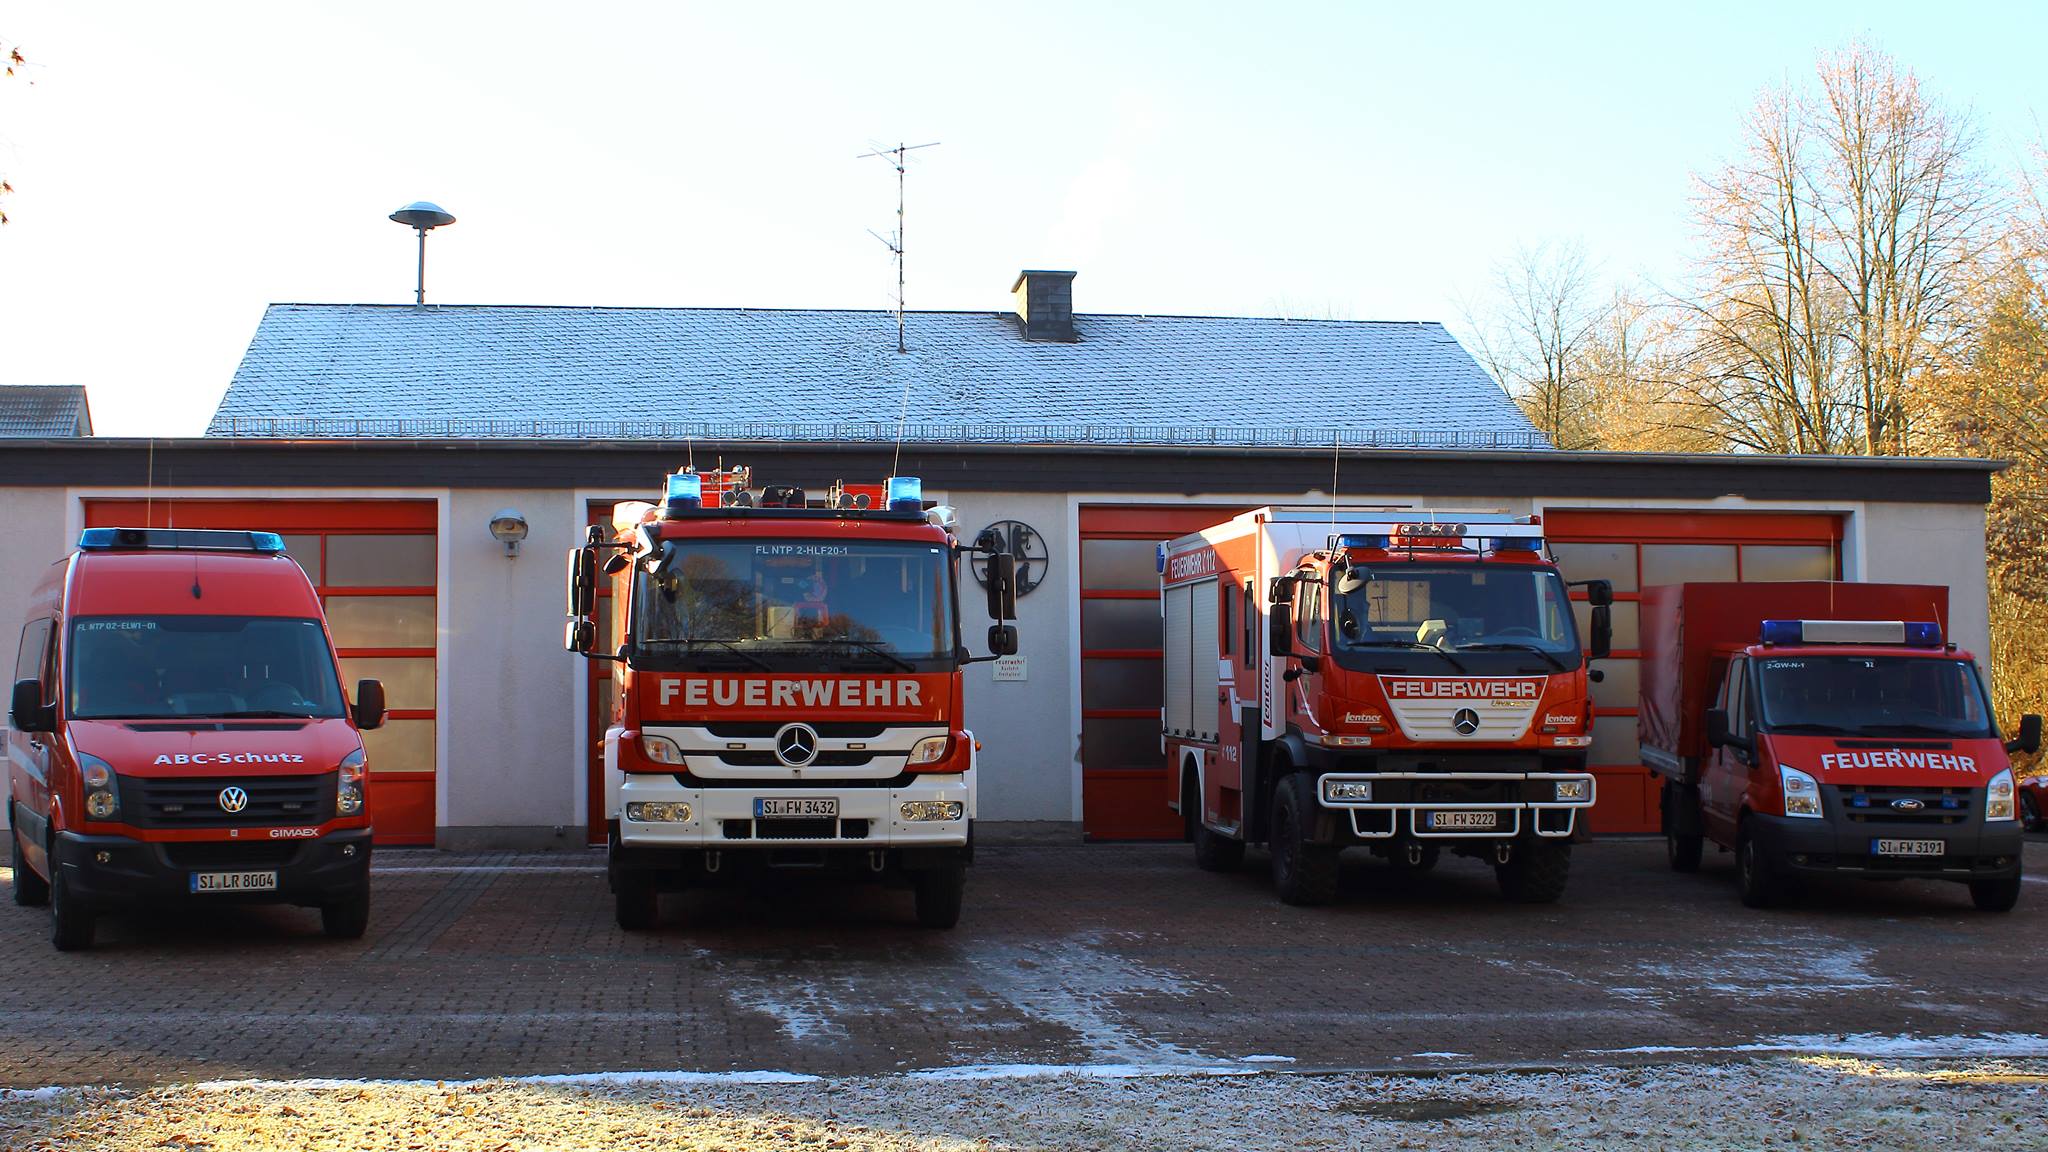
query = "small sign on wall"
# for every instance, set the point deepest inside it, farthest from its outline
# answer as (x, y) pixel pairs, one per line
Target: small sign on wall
(1010, 668)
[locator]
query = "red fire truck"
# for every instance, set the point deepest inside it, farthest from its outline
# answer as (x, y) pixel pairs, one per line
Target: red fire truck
(179, 731)
(1351, 677)
(788, 686)
(1818, 728)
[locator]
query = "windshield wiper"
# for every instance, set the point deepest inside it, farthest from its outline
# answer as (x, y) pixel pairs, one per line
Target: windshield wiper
(866, 646)
(727, 645)
(262, 714)
(1511, 646)
(1416, 644)
(1912, 730)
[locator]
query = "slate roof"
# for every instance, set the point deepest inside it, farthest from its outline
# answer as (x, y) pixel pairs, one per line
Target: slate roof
(345, 370)
(44, 410)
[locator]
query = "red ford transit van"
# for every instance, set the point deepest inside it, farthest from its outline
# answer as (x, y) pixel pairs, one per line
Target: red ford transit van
(179, 731)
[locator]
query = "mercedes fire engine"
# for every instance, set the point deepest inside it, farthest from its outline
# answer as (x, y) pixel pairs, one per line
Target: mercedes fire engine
(788, 686)
(1339, 678)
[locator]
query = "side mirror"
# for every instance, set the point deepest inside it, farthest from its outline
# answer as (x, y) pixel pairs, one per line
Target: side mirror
(1281, 590)
(28, 713)
(369, 712)
(1280, 634)
(1002, 639)
(1601, 619)
(581, 635)
(1001, 575)
(1599, 593)
(582, 581)
(2028, 741)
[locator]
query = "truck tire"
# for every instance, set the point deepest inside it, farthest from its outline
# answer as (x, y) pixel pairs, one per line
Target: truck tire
(1755, 882)
(71, 919)
(347, 918)
(636, 903)
(1214, 852)
(1682, 850)
(1995, 895)
(1303, 873)
(1536, 873)
(30, 890)
(940, 893)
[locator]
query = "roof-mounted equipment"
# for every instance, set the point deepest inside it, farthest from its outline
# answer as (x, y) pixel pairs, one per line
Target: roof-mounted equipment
(1910, 633)
(906, 494)
(176, 539)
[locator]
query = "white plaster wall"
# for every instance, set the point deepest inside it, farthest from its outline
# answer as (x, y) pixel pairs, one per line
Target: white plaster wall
(508, 691)
(1933, 544)
(34, 523)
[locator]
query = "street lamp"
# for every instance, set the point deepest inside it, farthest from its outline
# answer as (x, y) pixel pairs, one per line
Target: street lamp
(422, 216)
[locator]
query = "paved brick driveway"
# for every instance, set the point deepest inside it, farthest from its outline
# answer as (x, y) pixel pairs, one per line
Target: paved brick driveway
(489, 965)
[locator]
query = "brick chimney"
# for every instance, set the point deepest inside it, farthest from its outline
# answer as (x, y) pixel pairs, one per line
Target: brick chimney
(1045, 305)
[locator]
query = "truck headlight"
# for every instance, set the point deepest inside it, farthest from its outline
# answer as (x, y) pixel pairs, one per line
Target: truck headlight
(101, 800)
(1574, 790)
(1998, 798)
(658, 812)
(348, 792)
(929, 750)
(931, 809)
(661, 750)
(1802, 795)
(1347, 790)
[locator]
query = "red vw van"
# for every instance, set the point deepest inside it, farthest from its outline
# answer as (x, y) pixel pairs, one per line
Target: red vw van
(178, 731)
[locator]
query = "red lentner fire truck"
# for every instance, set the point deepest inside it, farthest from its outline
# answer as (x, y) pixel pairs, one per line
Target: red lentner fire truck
(1341, 678)
(788, 686)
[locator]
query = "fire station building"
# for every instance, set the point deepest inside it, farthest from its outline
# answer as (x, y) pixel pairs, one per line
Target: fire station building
(428, 466)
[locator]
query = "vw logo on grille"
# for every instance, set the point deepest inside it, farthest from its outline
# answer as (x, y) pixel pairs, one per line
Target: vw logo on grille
(1908, 805)
(1466, 721)
(796, 745)
(233, 799)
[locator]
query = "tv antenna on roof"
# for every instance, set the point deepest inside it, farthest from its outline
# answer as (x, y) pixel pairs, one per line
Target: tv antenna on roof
(894, 242)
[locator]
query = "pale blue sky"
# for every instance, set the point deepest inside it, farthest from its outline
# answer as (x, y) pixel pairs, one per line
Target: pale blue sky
(181, 165)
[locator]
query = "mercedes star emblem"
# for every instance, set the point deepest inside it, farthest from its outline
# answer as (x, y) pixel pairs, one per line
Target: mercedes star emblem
(796, 745)
(233, 799)
(1466, 721)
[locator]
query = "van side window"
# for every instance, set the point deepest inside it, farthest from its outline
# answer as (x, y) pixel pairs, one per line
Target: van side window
(1251, 623)
(32, 660)
(1738, 697)
(1223, 625)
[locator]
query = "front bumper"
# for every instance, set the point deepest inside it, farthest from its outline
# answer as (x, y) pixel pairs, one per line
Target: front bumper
(724, 817)
(1435, 805)
(1834, 844)
(309, 872)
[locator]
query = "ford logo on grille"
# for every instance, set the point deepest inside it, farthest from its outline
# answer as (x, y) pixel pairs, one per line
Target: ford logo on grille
(1466, 721)
(1908, 805)
(796, 745)
(233, 799)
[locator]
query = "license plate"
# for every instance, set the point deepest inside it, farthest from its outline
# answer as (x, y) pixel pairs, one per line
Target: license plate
(795, 807)
(1908, 847)
(1463, 820)
(234, 881)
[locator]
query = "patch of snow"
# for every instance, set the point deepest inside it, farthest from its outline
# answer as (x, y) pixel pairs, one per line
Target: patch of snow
(1265, 1059)
(1436, 1055)
(1085, 1071)
(574, 1079)
(1079, 983)
(48, 1093)
(1860, 1044)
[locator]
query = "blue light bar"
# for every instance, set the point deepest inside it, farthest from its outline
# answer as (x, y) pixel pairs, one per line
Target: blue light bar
(1159, 558)
(684, 490)
(1783, 632)
(202, 539)
(1355, 540)
(1923, 634)
(906, 494)
(1515, 544)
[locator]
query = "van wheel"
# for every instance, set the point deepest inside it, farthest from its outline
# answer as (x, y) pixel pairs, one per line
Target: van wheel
(71, 919)
(347, 919)
(1536, 873)
(636, 903)
(1757, 884)
(940, 893)
(1303, 873)
(1214, 852)
(1995, 895)
(30, 890)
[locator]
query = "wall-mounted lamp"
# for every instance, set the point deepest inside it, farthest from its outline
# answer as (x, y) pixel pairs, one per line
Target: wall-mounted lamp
(508, 527)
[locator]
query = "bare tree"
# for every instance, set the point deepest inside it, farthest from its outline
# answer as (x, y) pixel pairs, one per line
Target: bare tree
(10, 59)
(1841, 248)
(1534, 337)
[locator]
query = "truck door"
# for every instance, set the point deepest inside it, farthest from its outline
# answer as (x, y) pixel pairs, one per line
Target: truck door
(28, 753)
(1725, 778)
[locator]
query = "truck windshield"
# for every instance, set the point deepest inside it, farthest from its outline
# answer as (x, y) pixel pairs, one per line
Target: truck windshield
(1455, 608)
(138, 667)
(783, 604)
(1872, 696)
